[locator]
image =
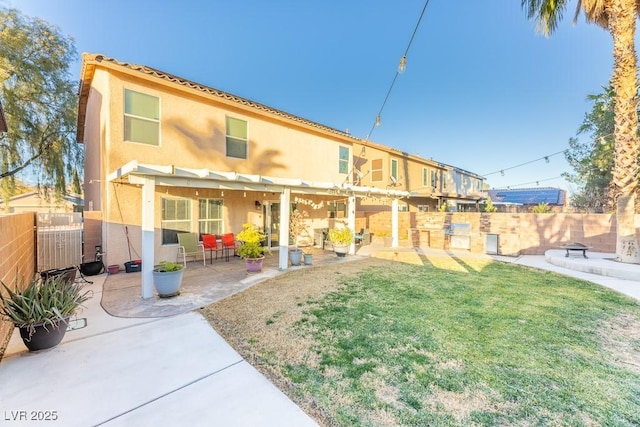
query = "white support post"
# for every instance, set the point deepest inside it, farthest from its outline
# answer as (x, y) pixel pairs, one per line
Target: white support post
(351, 221)
(148, 238)
(394, 223)
(285, 208)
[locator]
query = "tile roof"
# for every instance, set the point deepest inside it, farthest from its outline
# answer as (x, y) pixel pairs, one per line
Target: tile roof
(90, 61)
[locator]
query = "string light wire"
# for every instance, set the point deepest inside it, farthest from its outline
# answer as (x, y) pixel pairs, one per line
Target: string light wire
(503, 170)
(403, 61)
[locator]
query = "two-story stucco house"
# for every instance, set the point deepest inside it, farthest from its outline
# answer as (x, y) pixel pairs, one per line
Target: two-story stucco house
(165, 155)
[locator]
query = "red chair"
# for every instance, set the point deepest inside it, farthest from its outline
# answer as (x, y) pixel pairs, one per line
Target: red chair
(228, 243)
(210, 243)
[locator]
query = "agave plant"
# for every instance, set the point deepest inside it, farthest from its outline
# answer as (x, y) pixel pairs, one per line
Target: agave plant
(42, 302)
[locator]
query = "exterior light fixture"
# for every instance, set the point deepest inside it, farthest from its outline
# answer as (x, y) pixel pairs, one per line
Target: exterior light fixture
(546, 159)
(403, 65)
(502, 173)
(378, 120)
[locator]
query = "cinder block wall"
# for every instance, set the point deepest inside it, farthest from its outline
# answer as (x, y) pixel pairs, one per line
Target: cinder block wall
(518, 233)
(17, 258)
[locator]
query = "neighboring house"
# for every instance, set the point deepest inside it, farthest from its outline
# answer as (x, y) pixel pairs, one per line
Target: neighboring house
(165, 155)
(39, 203)
(429, 183)
(3, 120)
(523, 200)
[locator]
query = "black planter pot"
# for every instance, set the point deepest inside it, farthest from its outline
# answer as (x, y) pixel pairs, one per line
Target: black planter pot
(44, 337)
(92, 268)
(68, 274)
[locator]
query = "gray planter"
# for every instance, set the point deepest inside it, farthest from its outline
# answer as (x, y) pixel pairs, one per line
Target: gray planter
(295, 256)
(167, 283)
(308, 259)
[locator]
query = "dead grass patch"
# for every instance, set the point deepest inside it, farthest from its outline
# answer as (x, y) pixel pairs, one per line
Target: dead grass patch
(621, 337)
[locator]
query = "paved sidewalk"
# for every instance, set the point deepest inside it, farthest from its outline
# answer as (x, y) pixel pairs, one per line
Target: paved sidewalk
(599, 268)
(139, 372)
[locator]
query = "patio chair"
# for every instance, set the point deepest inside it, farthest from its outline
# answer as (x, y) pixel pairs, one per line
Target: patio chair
(228, 243)
(189, 246)
(211, 244)
(363, 237)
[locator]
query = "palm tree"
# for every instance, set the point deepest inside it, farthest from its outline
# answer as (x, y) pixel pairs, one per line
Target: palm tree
(619, 18)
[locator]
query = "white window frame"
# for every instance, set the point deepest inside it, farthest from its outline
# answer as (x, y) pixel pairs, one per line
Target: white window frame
(163, 221)
(391, 173)
(236, 138)
(141, 118)
(208, 220)
(425, 177)
(343, 164)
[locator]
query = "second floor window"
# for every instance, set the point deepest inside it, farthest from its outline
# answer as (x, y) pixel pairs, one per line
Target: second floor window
(236, 138)
(425, 177)
(394, 170)
(141, 118)
(343, 162)
(376, 170)
(434, 180)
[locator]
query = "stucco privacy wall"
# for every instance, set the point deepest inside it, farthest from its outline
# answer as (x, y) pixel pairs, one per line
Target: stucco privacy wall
(17, 258)
(92, 234)
(518, 233)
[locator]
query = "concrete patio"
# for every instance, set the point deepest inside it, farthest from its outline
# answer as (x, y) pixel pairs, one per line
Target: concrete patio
(202, 285)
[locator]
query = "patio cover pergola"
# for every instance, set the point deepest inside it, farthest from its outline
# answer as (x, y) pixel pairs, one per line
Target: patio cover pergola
(148, 176)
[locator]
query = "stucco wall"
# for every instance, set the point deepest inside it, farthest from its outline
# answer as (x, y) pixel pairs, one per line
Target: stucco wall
(193, 134)
(17, 258)
(124, 207)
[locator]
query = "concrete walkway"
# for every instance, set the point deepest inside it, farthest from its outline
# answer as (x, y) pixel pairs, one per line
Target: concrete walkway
(599, 268)
(177, 370)
(139, 372)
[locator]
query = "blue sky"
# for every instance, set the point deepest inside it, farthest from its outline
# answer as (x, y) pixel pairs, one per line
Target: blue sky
(482, 91)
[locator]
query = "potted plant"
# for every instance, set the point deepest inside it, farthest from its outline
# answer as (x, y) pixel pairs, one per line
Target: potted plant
(252, 249)
(167, 278)
(387, 240)
(341, 238)
(42, 309)
(297, 226)
(308, 258)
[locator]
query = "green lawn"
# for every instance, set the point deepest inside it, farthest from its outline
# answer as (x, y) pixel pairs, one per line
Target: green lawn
(496, 345)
